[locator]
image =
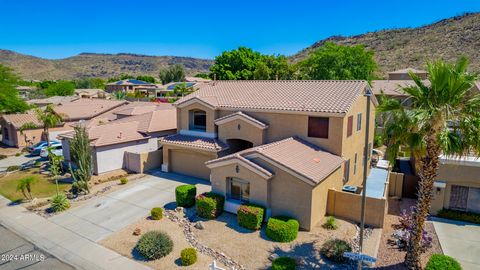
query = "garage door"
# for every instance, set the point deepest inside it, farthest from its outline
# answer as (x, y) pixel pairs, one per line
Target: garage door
(465, 198)
(189, 163)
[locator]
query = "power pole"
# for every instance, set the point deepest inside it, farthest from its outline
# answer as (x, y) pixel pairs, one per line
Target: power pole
(368, 94)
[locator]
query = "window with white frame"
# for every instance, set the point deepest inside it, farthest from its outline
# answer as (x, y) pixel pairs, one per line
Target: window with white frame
(239, 189)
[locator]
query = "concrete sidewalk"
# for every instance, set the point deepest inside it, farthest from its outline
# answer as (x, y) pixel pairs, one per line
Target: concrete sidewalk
(62, 243)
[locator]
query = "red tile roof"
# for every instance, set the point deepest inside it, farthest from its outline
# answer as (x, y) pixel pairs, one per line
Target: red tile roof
(194, 142)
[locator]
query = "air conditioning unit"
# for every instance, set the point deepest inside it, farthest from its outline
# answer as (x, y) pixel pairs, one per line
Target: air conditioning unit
(351, 189)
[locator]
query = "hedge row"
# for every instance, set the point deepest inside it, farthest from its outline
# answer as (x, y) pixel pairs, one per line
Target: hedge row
(459, 215)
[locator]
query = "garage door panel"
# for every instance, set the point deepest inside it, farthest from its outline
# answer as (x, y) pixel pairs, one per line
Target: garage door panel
(189, 163)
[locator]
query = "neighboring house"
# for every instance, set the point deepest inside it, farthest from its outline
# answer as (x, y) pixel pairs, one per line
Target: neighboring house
(281, 144)
(402, 74)
(24, 91)
(135, 134)
(129, 86)
(458, 184)
(92, 93)
(55, 100)
(86, 109)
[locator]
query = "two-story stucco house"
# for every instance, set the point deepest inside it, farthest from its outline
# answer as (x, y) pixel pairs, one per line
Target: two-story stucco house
(280, 144)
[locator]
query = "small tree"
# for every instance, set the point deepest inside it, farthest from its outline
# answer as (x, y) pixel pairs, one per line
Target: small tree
(25, 185)
(175, 73)
(80, 153)
(119, 95)
(55, 166)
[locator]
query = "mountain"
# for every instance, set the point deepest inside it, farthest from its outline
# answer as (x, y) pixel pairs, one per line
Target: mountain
(412, 47)
(96, 65)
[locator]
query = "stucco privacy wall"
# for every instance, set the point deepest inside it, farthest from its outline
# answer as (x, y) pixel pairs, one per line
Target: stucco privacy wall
(348, 205)
(187, 161)
(112, 157)
(320, 195)
(141, 162)
(395, 184)
(453, 174)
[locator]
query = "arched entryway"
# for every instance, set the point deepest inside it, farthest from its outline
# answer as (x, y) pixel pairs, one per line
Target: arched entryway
(236, 145)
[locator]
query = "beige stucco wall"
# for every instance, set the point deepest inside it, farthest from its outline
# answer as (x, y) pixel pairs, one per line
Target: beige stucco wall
(183, 119)
(395, 184)
(320, 195)
(246, 132)
(187, 161)
(141, 162)
(348, 206)
(453, 174)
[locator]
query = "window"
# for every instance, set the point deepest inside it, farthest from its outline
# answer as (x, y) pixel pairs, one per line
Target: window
(239, 190)
(359, 122)
(355, 164)
(318, 127)
(346, 171)
(350, 126)
(198, 120)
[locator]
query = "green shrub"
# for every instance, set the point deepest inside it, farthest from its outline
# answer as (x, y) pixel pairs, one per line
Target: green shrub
(188, 256)
(2, 157)
(442, 262)
(459, 215)
(156, 213)
(250, 216)
(154, 245)
(330, 223)
(284, 263)
(18, 154)
(37, 164)
(60, 203)
(210, 205)
(13, 168)
(377, 140)
(282, 229)
(334, 249)
(185, 195)
(123, 180)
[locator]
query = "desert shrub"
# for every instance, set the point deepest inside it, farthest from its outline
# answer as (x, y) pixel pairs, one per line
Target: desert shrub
(250, 216)
(406, 227)
(123, 180)
(210, 205)
(334, 249)
(185, 195)
(37, 164)
(330, 223)
(284, 263)
(60, 203)
(156, 213)
(459, 215)
(188, 256)
(442, 262)
(282, 229)
(18, 154)
(13, 168)
(2, 157)
(154, 245)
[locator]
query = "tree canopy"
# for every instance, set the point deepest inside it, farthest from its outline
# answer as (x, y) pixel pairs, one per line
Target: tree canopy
(245, 64)
(60, 88)
(175, 73)
(10, 102)
(338, 62)
(90, 83)
(146, 78)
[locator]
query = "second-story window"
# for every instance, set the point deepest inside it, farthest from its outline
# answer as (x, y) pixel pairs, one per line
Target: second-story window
(199, 120)
(318, 127)
(359, 121)
(350, 126)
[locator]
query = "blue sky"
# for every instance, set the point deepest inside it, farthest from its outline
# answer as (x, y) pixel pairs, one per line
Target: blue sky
(62, 28)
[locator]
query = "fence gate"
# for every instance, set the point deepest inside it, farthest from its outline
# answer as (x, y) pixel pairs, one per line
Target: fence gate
(410, 186)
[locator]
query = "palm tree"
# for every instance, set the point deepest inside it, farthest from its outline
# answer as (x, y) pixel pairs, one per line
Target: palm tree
(25, 185)
(445, 117)
(119, 95)
(48, 119)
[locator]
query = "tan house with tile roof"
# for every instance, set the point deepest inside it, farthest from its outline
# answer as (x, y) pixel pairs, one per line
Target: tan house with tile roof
(281, 144)
(135, 134)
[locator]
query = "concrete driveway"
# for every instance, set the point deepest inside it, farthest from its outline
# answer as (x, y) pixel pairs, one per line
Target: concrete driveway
(459, 240)
(109, 213)
(15, 161)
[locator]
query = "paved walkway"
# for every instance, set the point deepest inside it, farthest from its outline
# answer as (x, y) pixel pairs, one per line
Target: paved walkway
(101, 216)
(15, 161)
(459, 240)
(17, 253)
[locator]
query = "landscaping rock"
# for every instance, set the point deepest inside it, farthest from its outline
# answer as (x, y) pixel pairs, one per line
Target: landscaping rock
(180, 209)
(273, 257)
(199, 225)
(137, 231)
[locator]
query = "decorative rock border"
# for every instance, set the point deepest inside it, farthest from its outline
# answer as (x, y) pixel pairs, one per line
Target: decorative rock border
(187, 227)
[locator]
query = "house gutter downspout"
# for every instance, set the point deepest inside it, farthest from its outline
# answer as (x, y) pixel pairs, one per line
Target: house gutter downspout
(368, 94)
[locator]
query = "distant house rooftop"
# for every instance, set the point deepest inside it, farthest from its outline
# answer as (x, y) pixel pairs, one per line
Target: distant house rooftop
(406, 70)
(84, 109)
(130, 82)
(393, 87)
(55, 100)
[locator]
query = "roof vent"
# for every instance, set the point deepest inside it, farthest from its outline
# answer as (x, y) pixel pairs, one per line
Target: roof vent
(120, 135)
(317, 160)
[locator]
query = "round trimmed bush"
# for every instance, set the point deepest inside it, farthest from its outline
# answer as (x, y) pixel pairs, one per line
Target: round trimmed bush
(123, 181)
(60, 203)
(210, 205)
(442, 262)
(250, 216)
(284, 263)
(154, 245)
(188, 256)
(282, 229)
(334, 249)
(185, 195)
(156, 213)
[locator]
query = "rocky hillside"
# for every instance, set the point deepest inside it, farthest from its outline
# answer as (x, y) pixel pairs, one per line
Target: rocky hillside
(96, 65)
(411, 47)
